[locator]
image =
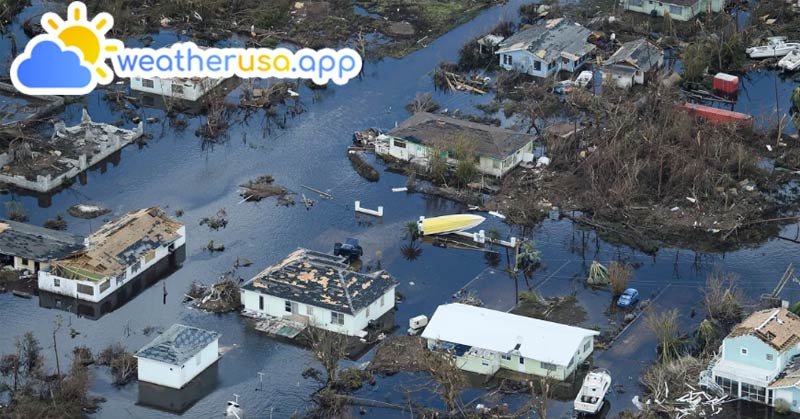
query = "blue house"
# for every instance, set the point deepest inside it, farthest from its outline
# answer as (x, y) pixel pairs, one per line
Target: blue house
(758, 360)
(546, 48)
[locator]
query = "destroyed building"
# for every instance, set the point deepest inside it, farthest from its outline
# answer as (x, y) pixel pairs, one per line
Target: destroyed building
(546, 48)
(47, 165)
(320, 290)
(497, 150)
(121, 259)
(26, 246)
(632, 62)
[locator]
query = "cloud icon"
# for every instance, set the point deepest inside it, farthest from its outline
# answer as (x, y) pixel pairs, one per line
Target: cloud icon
(49, 69)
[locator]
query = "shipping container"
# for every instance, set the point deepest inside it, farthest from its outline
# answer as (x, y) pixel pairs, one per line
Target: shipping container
(726, 83)
(716, 116)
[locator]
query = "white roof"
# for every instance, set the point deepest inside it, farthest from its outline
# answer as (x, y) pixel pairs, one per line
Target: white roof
(501, 332)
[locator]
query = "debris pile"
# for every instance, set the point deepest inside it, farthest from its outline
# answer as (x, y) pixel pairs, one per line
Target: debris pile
(264, 187)
(216, 221)
(221, 297)
(87, 212)
(362, 167)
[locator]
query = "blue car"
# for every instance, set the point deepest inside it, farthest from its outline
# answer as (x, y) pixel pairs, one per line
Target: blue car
(628, 298)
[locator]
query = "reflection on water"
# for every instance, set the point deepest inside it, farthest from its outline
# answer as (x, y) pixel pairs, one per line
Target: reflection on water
(179, 400)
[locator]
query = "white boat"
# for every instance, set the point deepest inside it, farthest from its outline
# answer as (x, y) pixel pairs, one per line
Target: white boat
(593, 392)
(776, 47)
(791, 61)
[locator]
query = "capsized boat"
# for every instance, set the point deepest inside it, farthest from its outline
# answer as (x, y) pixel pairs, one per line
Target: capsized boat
(791, 61)
(593, 392)
(448, 223)
(776, 47)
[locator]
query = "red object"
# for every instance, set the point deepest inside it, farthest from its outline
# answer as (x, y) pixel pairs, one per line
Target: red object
(716, 116)
(726, 83)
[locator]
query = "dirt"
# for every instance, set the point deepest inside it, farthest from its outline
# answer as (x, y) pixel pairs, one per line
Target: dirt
(564, 310)
(400, 353)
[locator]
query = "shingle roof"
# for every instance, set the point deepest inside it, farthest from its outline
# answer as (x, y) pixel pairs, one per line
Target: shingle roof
(549, 40)
(640, 54)
(178, 344)
(37, 243)
(441, 131)
(321, 280)
(503, 332)
(777, 327)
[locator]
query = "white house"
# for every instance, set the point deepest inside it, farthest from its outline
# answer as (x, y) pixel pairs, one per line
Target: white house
(631, 62)
(133, 249)
(758, 359)
(682, 10)
(320, 290)
(546, 48)
(187, 89)
(483, 341)
(496, 150)
(26, 246)
(178, 355)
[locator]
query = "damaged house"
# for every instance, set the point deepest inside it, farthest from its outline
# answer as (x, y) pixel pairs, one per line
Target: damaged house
(484, 341)
(544, 49)
(682, 10)
(496, 150)
(758, 361)
(320, 290)
(120, 259)
(187, 89)
(26, 246)
(632, 62)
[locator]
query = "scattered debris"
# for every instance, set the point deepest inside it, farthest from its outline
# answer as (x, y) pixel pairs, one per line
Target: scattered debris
(221, 297)
(86, 211)
(264, 187)
(216, 221)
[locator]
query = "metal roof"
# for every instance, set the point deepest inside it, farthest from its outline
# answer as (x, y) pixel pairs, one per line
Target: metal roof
(442, 131)
(37, 243)
(321, 280)
(640, 54)
(178, 344)
(549, 40)
(506, 333)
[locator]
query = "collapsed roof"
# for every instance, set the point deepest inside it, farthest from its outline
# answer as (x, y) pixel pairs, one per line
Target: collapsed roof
(777, 327)
(551, 40)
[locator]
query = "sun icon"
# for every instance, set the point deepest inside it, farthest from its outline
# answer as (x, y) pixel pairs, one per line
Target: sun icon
(85, 36)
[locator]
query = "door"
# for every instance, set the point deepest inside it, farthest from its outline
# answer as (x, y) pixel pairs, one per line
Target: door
(521, 364)
(295, 309)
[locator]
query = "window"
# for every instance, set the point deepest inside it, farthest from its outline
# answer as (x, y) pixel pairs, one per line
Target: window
(506, 59)
(381, 301)
(769, 357)
(287, 306)
(548, 366)
(104, 285)
(495, 164)
(310, 310)
(521, 360)
(587, 346)
(743, 351)
(261, 302)
(337, 318)
(119, 279)
(537, 65)
(56, 282)
(637, 3)
(675, 10)
(754, 393)
(177, 88)
(399, 144)
(85, 289)
(551, 66)
(148, 83)
(505, 357)
(730, 387)
(136, 266)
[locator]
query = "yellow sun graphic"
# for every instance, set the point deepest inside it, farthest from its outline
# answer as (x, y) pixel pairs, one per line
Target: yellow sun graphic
(88, 37)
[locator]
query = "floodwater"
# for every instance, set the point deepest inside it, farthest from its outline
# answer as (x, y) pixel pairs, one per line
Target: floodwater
(175, 171)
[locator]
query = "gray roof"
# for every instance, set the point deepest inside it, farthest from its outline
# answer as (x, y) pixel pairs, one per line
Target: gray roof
(37, 243)
(548, 40)
(640, 54)
(321, 280)
(440, 131)
(178, 344)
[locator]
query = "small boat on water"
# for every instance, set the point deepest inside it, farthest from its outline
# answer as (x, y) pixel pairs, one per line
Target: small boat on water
(448, 223)
(776, 47)
(791, 61)
(593, 392)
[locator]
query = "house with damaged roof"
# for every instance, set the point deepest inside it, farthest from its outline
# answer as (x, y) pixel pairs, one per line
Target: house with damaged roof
(760, 358)
(495, 150)
(544, 49)
(632, 62)
(682, 10)
(319, 290)
(26, 246)
(120, 259)
(177, 356)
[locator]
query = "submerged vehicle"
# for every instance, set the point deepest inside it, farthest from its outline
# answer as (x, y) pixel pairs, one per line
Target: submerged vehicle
(234, 411)
(776, 47)
(349, 249)
(593, 392)
(791, 61)
(448, 223)
(628, 298)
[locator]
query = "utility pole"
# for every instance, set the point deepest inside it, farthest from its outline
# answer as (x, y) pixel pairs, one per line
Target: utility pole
(55, 345)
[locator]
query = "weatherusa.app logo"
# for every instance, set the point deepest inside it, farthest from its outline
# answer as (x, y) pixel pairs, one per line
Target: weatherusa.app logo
(69, 59)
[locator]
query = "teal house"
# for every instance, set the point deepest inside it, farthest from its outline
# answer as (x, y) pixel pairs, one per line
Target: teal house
(759, 360)
(483, 341)
(682, 10)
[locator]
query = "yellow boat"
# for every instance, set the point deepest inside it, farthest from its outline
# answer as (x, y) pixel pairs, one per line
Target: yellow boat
(448, 223)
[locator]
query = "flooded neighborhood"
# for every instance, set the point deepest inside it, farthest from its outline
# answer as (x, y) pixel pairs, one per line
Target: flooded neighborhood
(393, 209)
